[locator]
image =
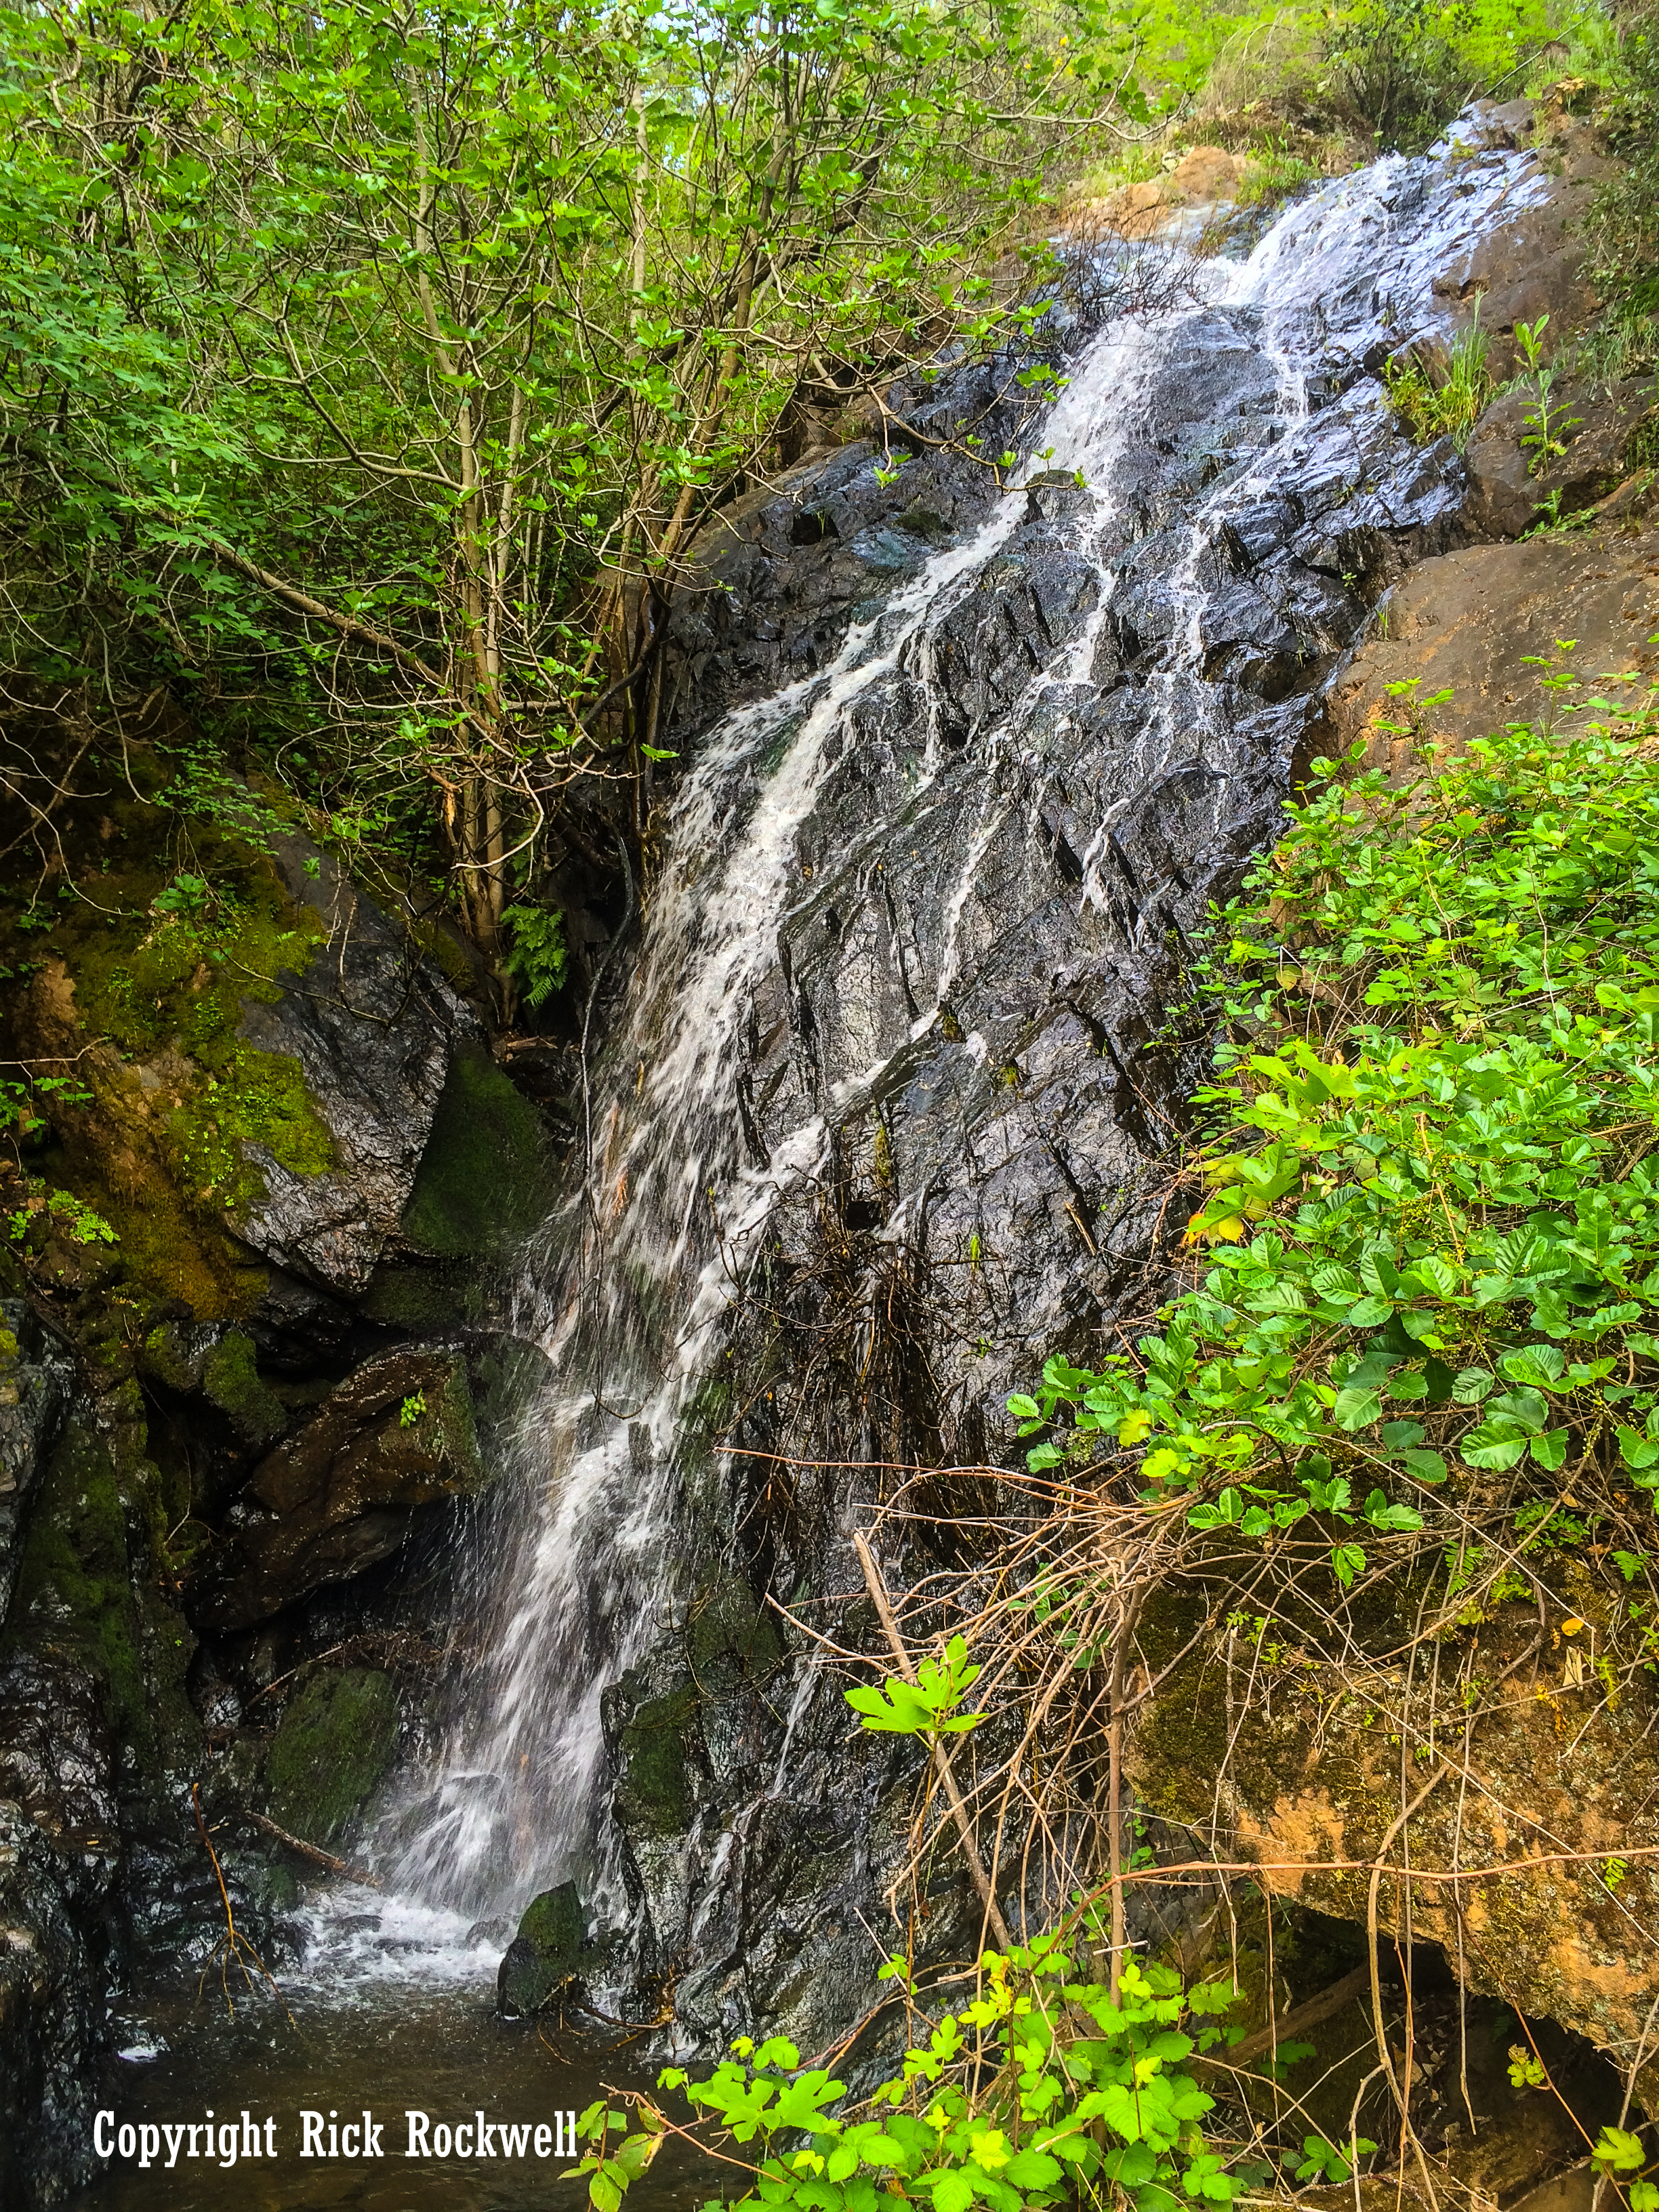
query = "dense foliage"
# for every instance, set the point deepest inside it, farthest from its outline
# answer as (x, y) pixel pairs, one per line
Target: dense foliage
(1045, 2085)
(366, 378)
(380, 369)
(1433, 1219)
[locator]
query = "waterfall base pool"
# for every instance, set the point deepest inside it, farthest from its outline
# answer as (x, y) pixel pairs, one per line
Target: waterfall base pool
(396, 2049)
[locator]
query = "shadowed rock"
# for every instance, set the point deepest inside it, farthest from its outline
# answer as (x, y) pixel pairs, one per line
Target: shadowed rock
(398, 1435)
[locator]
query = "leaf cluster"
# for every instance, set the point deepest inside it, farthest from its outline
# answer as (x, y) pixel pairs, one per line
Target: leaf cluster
(1046, 2086)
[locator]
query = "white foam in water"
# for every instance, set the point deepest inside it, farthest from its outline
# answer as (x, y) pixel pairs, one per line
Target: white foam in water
(626, 1287)
(356, 1944)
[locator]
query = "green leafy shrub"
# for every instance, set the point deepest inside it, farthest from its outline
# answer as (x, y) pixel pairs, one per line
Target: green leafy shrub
(1403, 68)
(1043, 2090)
(1431, 1226)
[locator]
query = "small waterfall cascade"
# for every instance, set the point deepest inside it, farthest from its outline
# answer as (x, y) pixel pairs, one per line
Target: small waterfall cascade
(629, 1286)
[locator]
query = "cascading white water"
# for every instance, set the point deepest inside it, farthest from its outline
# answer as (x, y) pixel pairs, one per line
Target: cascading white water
(627, 1286)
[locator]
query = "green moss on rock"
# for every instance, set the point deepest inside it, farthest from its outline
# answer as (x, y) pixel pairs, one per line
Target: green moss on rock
(179, 991)
(545, 1958)
(424, 1300)
(171, 1358)
(654, 1790)
(76, 1563)
(334, 1745)
(482, 1181)
(147, 1001)
(231, 1381)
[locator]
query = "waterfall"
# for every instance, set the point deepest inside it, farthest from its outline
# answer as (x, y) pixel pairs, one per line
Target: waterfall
(628, 1287)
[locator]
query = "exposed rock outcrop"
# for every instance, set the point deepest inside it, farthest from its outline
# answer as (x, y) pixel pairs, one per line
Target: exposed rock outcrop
(1611, 439)
(1555, 1787)
(340, 1494)
(372, 1027)
(1469, 624)
(36, 1377)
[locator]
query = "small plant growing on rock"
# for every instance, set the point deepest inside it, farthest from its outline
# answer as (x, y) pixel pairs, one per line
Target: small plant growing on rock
(1451, 407)
(1546, 426)
(536, 957)
(185, 895)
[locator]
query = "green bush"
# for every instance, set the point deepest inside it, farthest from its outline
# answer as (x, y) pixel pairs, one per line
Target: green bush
(1430, 1236)
(1046, 2088)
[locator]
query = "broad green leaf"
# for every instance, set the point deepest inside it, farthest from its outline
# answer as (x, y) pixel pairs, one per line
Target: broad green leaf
(1541, 1365)
(1358, 1409)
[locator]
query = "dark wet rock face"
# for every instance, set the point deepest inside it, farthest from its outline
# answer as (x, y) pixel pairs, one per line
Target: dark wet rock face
(956, 1058)
(55, 1962)
(224, 1527)
(36, 1378)
(371, 1029)
(341, 1493)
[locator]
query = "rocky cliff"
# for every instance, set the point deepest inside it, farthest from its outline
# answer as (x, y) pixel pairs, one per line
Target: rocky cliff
(234, 1434)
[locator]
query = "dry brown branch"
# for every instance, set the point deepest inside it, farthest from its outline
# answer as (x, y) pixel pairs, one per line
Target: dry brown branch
(958, 1810)
(233, 1946)
(1296, 2022)
(313, 1851)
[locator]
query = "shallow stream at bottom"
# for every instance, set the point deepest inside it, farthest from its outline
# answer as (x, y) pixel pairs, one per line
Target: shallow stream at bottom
(389, 2012)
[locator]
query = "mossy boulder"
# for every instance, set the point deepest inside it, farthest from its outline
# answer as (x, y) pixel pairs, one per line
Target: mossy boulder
(334, 1745)
(175, 1352)
(483, 1179)
(654, 1793)
(546, 1959)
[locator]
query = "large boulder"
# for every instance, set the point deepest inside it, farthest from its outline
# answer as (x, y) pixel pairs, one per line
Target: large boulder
(1556, 1901)
(1469, 622)
(371, 1026)
(274, 1104)
(548, 1957)
(341, 1493)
